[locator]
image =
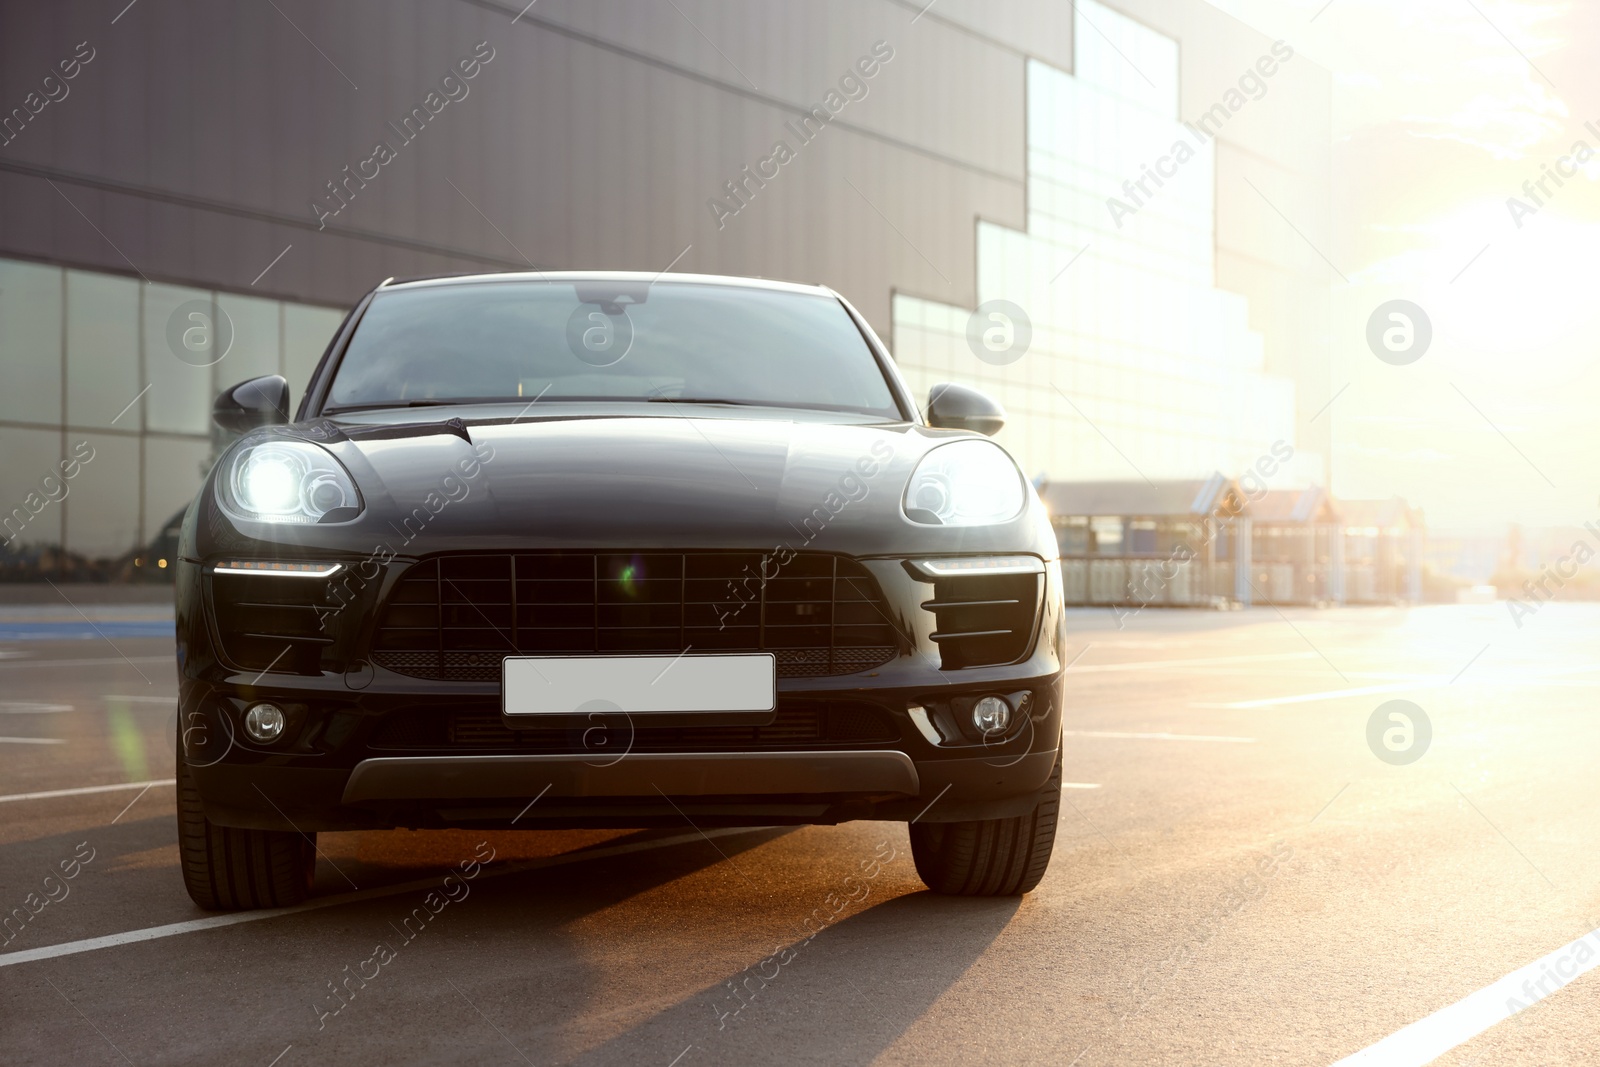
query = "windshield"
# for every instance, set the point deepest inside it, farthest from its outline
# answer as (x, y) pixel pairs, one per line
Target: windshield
(610, 340)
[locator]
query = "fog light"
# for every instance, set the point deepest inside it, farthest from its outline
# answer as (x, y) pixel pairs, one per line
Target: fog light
(991, 715)
(264, 723)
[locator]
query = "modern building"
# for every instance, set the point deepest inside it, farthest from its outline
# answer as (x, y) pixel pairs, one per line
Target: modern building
(191, 193)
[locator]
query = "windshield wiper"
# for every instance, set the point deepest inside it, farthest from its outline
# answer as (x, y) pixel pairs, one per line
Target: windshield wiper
(377, 405)
(707, 400)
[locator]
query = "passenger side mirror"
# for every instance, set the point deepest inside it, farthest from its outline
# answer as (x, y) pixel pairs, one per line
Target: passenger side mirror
(257, 402)
(957, 407)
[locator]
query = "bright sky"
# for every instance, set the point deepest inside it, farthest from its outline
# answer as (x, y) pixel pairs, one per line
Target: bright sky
(1442, 110)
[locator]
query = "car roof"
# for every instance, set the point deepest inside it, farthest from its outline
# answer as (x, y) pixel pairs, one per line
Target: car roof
(607, 275)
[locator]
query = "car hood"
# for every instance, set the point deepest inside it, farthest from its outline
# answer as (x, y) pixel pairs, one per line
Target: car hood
(667, 482)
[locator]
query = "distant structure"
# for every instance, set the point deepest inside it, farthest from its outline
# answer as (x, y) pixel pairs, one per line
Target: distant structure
(1210, 543)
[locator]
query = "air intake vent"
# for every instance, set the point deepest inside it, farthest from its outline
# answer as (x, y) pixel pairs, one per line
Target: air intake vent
(272, 622)
(455, 617)
(984, 619)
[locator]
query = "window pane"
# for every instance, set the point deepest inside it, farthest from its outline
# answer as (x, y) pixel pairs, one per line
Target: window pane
(255, 339)
(173, 471)
(182, 339)
(103, 509)
(30, 342)
(102, 349)
(31, 488)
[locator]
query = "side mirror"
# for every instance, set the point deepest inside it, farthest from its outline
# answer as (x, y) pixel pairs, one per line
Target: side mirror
(257, 402)
(956, 407)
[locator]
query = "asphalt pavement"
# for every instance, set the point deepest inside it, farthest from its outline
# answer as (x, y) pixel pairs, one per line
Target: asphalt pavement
(1257, 863)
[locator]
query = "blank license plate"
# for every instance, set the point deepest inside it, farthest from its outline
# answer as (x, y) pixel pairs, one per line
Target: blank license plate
(567, 685)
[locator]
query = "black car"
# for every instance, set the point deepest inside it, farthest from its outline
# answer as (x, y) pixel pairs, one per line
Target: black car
(613, 550)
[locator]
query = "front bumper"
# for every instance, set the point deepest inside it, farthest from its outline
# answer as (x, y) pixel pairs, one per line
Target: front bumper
(653, 789)
(339, 774)
(333, 770)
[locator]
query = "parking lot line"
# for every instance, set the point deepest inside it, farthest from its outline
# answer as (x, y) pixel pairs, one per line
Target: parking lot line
(99, 662)
(86, 790)
(212, 922)
(1122, 735)
(31, 741)
(1417, 684)
(1429, 1038)
(1167, 664)
(1331, 694)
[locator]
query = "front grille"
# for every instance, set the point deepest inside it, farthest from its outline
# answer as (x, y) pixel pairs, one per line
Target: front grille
(272, 622)
(796, 725)
(454, 617)
(984, 619)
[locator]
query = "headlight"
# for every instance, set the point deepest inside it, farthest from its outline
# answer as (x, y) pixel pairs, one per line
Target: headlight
(285, 481)
(964, 483)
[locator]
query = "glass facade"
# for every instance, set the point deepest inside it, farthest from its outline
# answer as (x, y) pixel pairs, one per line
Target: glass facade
(1138, 364)
(106, 384)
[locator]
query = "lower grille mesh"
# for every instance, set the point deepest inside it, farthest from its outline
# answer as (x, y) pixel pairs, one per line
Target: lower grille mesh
(798, 724)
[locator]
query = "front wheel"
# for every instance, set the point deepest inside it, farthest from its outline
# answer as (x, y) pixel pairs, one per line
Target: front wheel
(990, 857)
(230, 869)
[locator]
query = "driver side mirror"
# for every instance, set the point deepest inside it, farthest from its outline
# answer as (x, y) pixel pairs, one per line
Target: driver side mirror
(257, 402)
(957, 407)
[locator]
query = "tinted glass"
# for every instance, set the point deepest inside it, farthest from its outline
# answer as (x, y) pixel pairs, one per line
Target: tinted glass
(610, 341)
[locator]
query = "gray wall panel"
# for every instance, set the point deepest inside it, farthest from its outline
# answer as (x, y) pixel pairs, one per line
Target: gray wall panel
(583, 153)
(1039, 28)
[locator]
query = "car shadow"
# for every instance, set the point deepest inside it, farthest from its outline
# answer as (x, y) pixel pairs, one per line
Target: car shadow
(274, 981)
(105, 862)
(132, 877)
(842, 996)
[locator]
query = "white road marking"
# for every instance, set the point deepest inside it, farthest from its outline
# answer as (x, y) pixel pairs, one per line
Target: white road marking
(1080, 785)
(28, 707)
(31, 741)
(1331, 694)
(142, 699)
(131, 803)
(85, 662)
(212, 922)
(1429, 1038)
(1168, 664)
(86, 790)
(1426, 682)
(1121, 735)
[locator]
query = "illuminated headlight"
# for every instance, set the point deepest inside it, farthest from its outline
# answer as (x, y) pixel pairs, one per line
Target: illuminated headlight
(286, 481)
(964, 483)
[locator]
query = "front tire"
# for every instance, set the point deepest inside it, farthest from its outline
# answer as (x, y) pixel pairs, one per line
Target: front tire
(230, 869)
(990, 857)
